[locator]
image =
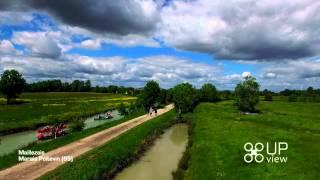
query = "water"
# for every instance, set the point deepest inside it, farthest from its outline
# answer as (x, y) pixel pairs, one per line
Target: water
(162, 159)
(14, 141)
(11, 142)
(90, 122)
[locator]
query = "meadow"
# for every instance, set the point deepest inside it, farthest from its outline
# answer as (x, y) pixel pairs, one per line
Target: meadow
(42, 108)
(219, 132)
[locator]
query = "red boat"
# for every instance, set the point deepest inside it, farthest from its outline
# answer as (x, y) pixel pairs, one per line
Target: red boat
(48, 132)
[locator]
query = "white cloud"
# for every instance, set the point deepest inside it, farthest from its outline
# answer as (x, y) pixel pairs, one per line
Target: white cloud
(91, 44)
(129, 40)
(248, 29)
(291, 74)
(14, 18)
(246, 74)
(6, 47)
(166, 70)
(269, 75)
(43, 44)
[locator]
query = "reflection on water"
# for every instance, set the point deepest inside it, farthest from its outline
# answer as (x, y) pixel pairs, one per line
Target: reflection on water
(162, 159)
(11, 142)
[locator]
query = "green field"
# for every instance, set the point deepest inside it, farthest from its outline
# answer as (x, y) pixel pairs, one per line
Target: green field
(219, 133)
(42, 108)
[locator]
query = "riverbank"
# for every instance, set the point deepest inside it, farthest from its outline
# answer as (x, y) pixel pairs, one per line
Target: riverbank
(11, 158)
(12, 142)
(218, 133)
(41, 109)
(107, 160)
(161, 159)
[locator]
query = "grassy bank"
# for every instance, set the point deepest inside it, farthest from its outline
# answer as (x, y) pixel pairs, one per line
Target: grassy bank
(219, 133)
(114, 155)
(12, 158)
(43, 108)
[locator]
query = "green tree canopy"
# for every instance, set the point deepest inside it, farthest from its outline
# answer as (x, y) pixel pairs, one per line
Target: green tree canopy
(11, 84)
(184, 97)
(150, 94)
(247, 94)
(208, 93)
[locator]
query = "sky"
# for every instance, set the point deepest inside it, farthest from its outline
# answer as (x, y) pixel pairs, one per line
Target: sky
(129, 42)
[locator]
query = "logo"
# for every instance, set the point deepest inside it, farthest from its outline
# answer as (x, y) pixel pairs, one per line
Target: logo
(272, 153)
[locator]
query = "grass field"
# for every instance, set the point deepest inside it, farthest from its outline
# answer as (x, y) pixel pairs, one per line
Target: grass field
(95, 163)
(42, 108)
(219, 133)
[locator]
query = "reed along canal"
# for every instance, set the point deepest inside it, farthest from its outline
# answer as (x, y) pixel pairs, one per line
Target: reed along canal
(161, 159)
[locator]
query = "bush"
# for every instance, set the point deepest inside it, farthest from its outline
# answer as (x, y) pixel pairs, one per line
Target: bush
(247, 94)
(268, 97)
(76, 125)
(122, 109)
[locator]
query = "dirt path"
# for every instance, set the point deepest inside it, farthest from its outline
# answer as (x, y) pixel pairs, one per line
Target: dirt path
(35, 169)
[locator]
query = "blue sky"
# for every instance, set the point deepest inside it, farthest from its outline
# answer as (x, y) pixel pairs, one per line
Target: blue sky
(158, 40)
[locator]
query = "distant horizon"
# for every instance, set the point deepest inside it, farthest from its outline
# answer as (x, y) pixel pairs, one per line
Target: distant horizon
(141, 87)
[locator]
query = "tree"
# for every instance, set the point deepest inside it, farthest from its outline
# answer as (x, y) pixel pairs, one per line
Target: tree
(310, 91)
(208, 93)
(75, 86)
(268, 97)
(112, 89)
(184, 97)
(247, 94)
(293, 98)
(87, 86)
(149, 95)
(163, 96)
(226, 94)
(11, 84)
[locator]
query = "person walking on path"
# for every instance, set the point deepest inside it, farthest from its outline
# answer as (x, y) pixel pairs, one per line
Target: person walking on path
(150, 111)
(155, 110)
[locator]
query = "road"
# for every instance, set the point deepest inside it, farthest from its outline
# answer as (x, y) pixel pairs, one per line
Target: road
(35, 169)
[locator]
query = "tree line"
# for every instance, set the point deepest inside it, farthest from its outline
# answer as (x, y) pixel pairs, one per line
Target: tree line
(185, 96)
(76, 86)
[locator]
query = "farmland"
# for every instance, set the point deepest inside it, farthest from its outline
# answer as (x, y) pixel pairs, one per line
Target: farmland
(42, 108)
(219, 133)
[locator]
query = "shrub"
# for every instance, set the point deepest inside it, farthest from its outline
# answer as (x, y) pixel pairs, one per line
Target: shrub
(122, 109)
(76, 125)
